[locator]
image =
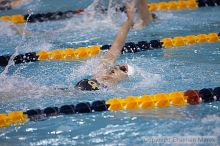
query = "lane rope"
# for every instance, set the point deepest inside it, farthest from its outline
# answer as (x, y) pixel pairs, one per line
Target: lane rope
(144, 102)
(59, 15)
(181, 5)
(91, 51)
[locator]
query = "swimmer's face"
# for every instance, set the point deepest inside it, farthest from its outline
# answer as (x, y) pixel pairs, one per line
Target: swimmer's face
(119, 72)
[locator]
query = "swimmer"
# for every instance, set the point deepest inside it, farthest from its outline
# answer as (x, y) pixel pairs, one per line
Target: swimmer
(109, 75)
(11, 4)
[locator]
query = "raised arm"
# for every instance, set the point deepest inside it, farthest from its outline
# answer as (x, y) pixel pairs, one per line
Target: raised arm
(113, 53)
(145, 15)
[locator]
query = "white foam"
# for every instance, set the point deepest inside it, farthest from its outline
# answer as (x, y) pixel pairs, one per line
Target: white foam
(14, 86)
(147, 79)
(92, 19)
(88, 68)
(211, 118)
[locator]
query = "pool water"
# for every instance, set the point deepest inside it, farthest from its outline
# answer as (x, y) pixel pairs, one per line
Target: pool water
(31, 85)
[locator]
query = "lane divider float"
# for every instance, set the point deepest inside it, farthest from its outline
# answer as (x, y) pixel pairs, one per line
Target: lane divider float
(41, 17)
(130, 47)
(144, 102)
(181, 5)
(161, 6)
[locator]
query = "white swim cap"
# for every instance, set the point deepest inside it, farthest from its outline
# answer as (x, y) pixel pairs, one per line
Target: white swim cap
(131, 70)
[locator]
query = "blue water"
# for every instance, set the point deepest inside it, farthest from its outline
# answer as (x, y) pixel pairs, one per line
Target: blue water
(28, 86)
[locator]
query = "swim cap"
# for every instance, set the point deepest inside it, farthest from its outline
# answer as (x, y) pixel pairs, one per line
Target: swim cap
(88, 85)
(131, 70)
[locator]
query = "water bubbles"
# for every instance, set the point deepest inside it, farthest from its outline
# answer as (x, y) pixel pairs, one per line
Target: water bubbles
(31, 129)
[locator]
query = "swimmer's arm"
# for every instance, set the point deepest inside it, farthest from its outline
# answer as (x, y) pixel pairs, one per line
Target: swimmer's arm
(145, 15)
(113, 53)
(115, 50)
(17, 3)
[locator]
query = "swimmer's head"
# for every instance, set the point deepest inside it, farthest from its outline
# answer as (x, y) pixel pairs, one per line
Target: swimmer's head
(87, 85)
(120, 72)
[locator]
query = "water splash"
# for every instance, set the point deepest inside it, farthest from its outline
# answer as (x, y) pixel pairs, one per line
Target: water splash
(95, 18)
(11, 62)
(13, 87)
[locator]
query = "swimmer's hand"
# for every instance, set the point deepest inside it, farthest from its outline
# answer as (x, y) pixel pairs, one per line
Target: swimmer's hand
(140, 24)
(130, 7)
(145, 16)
